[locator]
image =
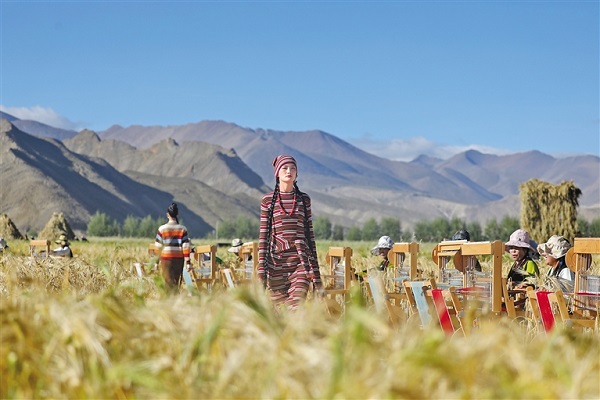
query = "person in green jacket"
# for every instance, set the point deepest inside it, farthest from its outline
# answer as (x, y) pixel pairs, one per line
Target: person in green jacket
(519, 247)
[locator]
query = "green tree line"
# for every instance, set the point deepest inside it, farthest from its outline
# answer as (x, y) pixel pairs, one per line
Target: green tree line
(247, 228)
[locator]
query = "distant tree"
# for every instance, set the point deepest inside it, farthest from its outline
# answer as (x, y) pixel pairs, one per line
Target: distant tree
(322, 228)
(455, 225)
(241, 226)
(583, 227)
(227, 229)
(354, 234)
(423, 231)
(507, 226)
(371, 230)
(131, 226)
(392, 228)
(246, 227)
(149, 226)
(492, 231)
(474, 229)
(594, 229)
(337, 232)
(441, 229)
(102, 225)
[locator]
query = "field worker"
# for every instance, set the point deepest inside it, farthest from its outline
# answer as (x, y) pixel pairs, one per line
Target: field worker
(174, 245)
(287, 253)
(463, 234)
(554, 251)
(63, 249)
(519, 247)
(236, 245)
(383, 247)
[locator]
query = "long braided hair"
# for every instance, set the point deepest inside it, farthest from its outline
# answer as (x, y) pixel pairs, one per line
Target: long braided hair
(312, 250)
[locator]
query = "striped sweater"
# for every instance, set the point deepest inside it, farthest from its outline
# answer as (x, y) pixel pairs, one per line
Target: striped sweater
(287, 231)
(172, 238)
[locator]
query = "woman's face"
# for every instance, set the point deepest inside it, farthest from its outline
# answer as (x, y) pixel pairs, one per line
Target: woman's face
(517, 253)
(551, 261)
(288, 173)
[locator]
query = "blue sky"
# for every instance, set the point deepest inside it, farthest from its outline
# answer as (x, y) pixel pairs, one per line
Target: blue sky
(395, 78)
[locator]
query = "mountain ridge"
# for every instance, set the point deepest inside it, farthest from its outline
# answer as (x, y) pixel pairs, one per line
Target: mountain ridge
(228, 168)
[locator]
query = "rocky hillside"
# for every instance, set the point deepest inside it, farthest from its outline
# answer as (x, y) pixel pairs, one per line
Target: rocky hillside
(218, 170)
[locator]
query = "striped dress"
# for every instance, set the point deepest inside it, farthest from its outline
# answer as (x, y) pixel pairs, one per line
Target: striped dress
(174, 245)
(292, 265)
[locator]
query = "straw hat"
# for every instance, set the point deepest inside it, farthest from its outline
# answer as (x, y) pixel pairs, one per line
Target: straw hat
(235, 246)
(62, 240)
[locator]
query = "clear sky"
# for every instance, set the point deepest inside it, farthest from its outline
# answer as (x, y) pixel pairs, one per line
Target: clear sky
(395, 78)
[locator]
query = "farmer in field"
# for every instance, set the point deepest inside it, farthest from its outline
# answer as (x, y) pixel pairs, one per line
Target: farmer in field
(63, 249)
(554, 251)
(174, 245)
(463, 234)
(287, 253)
(519, 247)
(383, 247)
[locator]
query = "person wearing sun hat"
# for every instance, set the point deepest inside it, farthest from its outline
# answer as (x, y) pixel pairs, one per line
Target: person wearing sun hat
(519, 247)
(383, 247)
(287, 253)
(64, 250)
(554, 251)
(236, 245)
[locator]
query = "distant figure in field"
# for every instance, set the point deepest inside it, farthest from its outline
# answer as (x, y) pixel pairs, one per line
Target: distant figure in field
(463, 234)
(174, 245)
(287, 261)
(236, 245)
(383, 247)
(519, 247)
(64, 249)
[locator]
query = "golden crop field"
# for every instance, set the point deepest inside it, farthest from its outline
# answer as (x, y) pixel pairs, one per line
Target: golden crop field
(90, 328)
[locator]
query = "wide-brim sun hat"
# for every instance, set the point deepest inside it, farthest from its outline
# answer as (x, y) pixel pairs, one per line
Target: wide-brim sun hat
(385, 242)
(62, 240)
(557, 247)
(236, 244)
(519, 238)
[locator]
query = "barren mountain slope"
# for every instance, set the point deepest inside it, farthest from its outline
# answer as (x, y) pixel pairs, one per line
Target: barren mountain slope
(41, 176)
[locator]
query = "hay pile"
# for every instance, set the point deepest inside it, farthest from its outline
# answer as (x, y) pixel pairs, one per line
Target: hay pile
(57, 226)
(8, 230)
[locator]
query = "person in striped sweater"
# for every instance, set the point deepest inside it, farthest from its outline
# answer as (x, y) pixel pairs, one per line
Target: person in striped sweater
(174, 245)
(287, 253)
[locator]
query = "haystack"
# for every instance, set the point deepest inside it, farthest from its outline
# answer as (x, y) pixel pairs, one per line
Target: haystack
(57, 226)
(8, 230)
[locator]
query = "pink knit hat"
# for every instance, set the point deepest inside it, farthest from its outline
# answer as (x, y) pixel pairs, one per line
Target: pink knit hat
(279, 161)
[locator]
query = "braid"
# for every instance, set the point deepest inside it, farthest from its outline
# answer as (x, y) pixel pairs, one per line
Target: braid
(173, 211)
(311, 244)
(268, 256)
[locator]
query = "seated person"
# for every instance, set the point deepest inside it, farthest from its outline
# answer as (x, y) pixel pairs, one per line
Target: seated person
(236, 245)
(554, 251)
(519, 247)
(63, 250)
(463, 234)
(383, 247)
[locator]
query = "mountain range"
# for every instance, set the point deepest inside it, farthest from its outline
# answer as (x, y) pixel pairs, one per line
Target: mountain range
(218, 170)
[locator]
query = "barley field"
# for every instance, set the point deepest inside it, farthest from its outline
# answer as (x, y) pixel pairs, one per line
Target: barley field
(90, 328)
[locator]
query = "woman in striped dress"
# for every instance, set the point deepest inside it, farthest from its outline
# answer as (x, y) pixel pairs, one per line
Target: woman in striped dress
(287, 254)
(174, 245)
